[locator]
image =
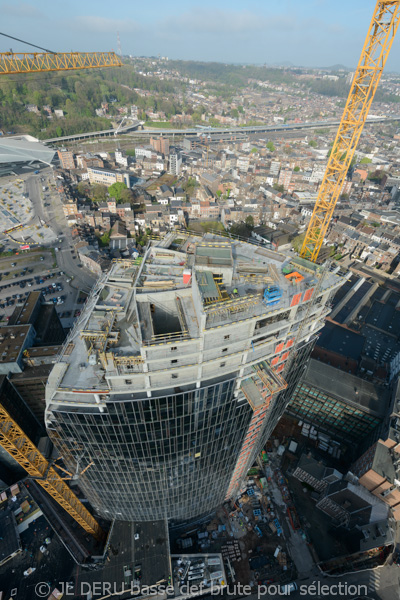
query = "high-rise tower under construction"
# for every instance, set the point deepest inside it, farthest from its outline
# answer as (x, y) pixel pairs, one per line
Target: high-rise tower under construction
(178, 370)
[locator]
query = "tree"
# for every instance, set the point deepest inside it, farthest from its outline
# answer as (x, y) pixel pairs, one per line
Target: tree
(270, 147)
(105, 239)
(99, 193)
(83, 189)
(59, 131)
(127, 196)
(312, 143)
(241, 230)
(296, 169)
(190, 185)
(376, 176)
(115, 190)
(249, 222)
(279, 188)
(297, 242)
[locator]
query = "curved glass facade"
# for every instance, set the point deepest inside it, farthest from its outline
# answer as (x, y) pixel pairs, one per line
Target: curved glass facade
(173, 378)
(167, 457)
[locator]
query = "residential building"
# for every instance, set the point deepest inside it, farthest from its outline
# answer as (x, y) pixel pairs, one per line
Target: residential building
(285, 177)
(31, 383)
(13, 341)
(43, 316)
(315, 473)
(121, 158)
(160, 144)
(175, 163)
(93, 260)
(118, 236)
(107, 177)
(66, 158)
(351, 506)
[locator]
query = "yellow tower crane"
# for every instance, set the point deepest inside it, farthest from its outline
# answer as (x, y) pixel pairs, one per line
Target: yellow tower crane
(382, 30)
(12, 438)
(20, 447)
(38, 62)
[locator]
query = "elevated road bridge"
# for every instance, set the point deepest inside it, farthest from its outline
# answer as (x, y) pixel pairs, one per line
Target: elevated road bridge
(137, 129)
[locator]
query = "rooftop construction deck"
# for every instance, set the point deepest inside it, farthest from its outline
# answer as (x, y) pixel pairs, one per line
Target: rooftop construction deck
(138, 310)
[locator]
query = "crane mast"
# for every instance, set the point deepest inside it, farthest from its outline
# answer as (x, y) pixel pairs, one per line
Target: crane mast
(38, 62)
(382, 30)
(20, 447)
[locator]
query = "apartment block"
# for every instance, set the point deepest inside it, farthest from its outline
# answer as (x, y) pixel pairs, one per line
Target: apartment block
(107, 177)
(175, 163)
(160, 144)
(66, 158)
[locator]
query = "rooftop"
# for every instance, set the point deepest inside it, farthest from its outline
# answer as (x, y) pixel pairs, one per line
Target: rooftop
(139, 555)
(340, 339)
(23, 313)
(376, 534)
(12, 339)
(383, 462)
(349, 388)
(384, 317)
(174, 295)
(201, 570)
(24, 148)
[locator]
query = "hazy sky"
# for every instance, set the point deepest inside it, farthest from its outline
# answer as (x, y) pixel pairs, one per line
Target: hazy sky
(303, 32)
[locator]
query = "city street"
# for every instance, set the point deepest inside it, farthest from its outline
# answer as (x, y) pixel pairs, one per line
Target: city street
(48, 208)
(54, 216)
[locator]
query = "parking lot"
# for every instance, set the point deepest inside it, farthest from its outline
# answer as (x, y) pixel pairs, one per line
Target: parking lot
(21, 221)
(37, 271)
(15, 206)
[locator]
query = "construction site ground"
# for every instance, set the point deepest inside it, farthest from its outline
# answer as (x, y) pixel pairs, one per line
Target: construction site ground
(254, 562)
(326, 540)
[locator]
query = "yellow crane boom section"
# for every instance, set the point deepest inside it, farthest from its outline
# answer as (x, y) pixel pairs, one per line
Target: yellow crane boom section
(20, 447)
(382, 30)
(38, 62)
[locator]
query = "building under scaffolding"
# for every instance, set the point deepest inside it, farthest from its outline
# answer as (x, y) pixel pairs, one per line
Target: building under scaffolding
(178, 370)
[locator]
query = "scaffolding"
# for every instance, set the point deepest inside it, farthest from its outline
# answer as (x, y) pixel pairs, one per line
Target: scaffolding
(261, 386)
(100, 338)
(128, 364)
(231, 307)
